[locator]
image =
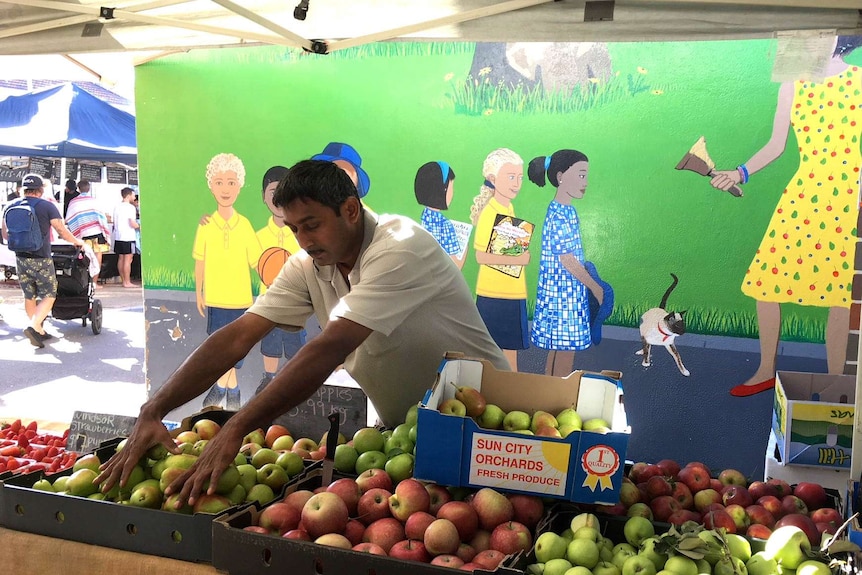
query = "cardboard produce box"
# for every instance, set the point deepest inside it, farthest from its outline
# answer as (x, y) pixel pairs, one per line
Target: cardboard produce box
(240, 552)
(585, 466)
(812, 418)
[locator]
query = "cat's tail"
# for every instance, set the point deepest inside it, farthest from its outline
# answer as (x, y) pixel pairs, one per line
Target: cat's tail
(663, 304)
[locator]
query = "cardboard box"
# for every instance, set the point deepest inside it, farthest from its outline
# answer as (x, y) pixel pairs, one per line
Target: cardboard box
(585, 466)
(812, 418)
(240, 552)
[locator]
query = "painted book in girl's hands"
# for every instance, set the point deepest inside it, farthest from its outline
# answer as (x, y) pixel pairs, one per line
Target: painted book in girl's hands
(509, 237)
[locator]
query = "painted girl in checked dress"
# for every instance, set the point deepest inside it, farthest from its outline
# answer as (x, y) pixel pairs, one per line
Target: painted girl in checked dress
(561, 320)
(807, 253)
(433, 189)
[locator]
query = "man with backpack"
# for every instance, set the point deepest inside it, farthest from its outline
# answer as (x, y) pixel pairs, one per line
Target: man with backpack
(26, 227)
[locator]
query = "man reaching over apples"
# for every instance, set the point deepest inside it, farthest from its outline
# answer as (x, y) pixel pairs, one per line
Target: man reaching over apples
(390, 302)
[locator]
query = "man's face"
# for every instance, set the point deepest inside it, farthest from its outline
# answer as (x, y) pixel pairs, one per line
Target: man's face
(268, 192)
(225, 188)
(326, 237)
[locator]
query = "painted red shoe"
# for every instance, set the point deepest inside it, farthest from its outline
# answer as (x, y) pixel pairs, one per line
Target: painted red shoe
(746, 390)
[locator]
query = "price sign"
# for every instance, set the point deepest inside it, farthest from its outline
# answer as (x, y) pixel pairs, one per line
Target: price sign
(116, 175)
(91, 173)
(42, 166)
(309, 418)
(71, 170)
(133, 178)
(88, 430)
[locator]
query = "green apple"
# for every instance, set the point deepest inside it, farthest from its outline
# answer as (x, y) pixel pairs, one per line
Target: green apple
(549, 546)
(454, 407)
(247, 475)
(412, 415)
(595, 424)
(338, 440)
(813, 567)
(401, 430)
(146, 495)
(170, 504)
(184, 460)
(236, 495)
(97, 496)
(640, 509)
(158, 468)
(557, 566)
(399, 467)
(386, 433)
(788, 545)
(492, 417)
(228, 479)
(81, 484)
(729, 566)
(186, 447)
(703, 567)
(274, 475)
(292, 462)
(169, 476)
(739, 546)
(43, 485)
(345, 458)
(157, 451)
(578, 570)
(523, 432)
(590, 533)
(606, 568)
(648, 550)
(413, 434)
(61, 483)
(240, 459)
(263, 456)
(89, 461)
(760, 565)
(401, 442)
(368, 439)
(369, 460)
(261, 493)
(583, 552)
(623, 553)
(516, 420)
(214, 503)
(569, 417)
(566, 430)
(257, 436)
(637, 529)
(638, 565)
(283, 443)
(568, 535)
(681, 565)
(199, 446)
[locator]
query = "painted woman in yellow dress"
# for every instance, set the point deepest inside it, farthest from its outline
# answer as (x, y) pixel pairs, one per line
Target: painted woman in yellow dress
(807, 253)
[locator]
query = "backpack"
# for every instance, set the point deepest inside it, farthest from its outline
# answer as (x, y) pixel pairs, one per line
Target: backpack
(22, 227)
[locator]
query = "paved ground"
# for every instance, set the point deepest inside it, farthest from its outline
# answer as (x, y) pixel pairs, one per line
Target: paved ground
(78, 370)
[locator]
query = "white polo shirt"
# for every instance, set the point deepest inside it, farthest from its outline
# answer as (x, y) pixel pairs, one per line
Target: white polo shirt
(407, 290)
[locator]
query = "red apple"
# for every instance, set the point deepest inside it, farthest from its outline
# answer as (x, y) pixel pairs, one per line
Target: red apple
(758, 531)
(812, 494)
(717, 519)
(511, 537)
(321, 489)
(635, 471)
(683, 495)
(279, 518)
(826, 528)
(354, 531)
(827, 515)
(206, 428)
(782, 488)
(257, 529)
(657, 486)
(790, 504)
(732, 477)
(771, 504)
(416, 524)
(347, 489)
(441, 537)
(373, 505)
(759, 514)
(410, 497)
(466, 552)
(615, 509)
(384, 532)
(273, 432)
(716, 484)
(410, 550)
(529, 509)
(470, 567)
(451, 561)
(463, 517)
(492, 507)
(481, 541)
(739, 516)
(369, 548)
(706, 497)
(374, 478)
(299, 534)
(663, 507)
(758, 489)
(651, 470)
(298, 499)
(489, 559)
(439, 497)
(736, 495)
(803, 522)
(669, 467)
(700, 465)
(683, 515)
(695, 478)
(324, 513)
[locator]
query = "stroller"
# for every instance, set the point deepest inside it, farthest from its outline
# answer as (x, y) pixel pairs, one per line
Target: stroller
(75, 289)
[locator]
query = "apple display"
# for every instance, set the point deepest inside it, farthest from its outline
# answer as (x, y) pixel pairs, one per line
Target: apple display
(324, 513)
(410, 550)
(374, 477)
(384, 532)
(492, 507)
(410, 497)
(416, 524)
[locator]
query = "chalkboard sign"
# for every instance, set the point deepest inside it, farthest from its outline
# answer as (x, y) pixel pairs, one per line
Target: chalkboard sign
(55, 176)
(88, 430)
(133, 177)
(71, 171)
(116, 175)
(309, 418)
(91, 173)
(12, 174)
(42, 166)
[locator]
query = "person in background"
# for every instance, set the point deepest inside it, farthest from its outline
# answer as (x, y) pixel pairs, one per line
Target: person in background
(125, 228)
(16, 194)
(390, 303)
(70, 193)
(36, 274)
(88, 222)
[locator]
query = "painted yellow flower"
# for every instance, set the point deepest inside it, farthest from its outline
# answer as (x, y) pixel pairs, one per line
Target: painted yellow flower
(594, 80)
(448, 76)
(488, 112)
(485, 71)
(657, 92)
(642, 70)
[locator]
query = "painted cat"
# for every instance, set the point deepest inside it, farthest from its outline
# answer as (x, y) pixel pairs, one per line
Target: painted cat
(660, 327)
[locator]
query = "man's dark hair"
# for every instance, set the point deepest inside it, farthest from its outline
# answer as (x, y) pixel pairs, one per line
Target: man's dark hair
(317, 180)
(274, 174)
(126, 192)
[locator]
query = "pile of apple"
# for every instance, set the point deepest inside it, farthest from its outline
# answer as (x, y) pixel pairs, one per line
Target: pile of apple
(581, 549)
(24, 450)
(667, 493)
(417, 521)
(469, 402)
(258, 479)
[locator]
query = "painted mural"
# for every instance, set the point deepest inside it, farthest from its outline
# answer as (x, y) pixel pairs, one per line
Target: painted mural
(585, 247)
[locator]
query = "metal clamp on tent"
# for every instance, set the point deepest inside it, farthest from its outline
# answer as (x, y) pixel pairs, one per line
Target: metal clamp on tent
(106, 13)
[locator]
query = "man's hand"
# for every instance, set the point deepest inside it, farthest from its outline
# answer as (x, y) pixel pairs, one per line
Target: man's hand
(220, 452)
(147, 433)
